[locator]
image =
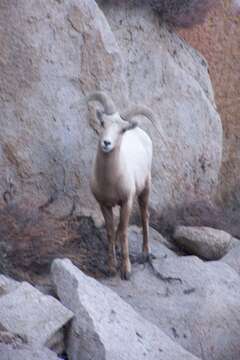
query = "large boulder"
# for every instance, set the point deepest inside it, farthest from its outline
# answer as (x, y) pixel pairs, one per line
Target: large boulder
(52, 55)
(218, 39)
(170, 77)
(105, 327)
(36, 318)
(205, 242)
(196, 303)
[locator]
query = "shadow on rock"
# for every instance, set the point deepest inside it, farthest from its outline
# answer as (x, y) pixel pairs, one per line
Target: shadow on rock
(198, 213)
(30, 240)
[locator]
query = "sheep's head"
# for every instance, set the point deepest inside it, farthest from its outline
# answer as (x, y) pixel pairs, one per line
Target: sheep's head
(113, 128)
(112, 124)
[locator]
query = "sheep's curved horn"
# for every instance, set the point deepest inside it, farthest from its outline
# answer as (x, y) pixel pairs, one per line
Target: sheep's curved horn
(137, 110)
(105, 100)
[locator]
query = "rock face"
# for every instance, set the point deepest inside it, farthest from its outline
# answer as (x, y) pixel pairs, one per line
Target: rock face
(26, 353)
(218, 39)
(105, 327)
(51, 57)
(195, 303)
(165, 74)
(205, 242)
(36, 318)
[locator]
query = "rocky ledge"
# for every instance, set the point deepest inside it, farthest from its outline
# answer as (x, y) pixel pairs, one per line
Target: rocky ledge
(177, 306)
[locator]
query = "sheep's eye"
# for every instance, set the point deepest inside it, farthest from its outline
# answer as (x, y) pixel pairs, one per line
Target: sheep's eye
(102, 123)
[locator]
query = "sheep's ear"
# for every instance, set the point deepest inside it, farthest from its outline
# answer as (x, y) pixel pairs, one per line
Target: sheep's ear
(100, 117)
(130, 125)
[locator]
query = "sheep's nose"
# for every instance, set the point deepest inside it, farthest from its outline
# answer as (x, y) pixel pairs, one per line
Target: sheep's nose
(107, 143)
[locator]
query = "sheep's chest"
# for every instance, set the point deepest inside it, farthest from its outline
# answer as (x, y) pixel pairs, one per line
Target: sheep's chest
(110, 193)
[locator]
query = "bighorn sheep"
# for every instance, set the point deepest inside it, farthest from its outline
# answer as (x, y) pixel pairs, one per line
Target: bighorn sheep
(122, 170)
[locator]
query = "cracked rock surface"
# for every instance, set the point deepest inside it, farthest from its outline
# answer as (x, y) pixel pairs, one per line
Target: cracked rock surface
(106, 327)
(195, 303)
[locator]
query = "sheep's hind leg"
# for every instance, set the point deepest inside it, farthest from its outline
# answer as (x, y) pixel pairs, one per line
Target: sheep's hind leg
(143, 200)
(122, 231)
(109, 221)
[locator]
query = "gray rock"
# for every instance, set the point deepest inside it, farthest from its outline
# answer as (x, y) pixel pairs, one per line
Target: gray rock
(233, 258)
(106, 327)
(10, 339)
(35, 317)
(205, 242)
(172, 79)
(57, 342)
(59, 52)
(26, 353)
(159, 246)
(73, 42)
(196, 303)
(7, 285)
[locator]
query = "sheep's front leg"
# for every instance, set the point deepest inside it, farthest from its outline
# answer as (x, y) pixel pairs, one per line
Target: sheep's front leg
(143, 200)
(122, 232)
(109, 222)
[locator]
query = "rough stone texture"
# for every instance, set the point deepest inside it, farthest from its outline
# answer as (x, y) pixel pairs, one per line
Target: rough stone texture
(171, 78)
(7, 285)
(218, 41)
(233, 259)
(26, 353)
(35, 317)
(158, 244)
(197, 304)
(236, 7)
(59, 52)
(52, 55)
(10, 339)
(205, 242)
(105, 327)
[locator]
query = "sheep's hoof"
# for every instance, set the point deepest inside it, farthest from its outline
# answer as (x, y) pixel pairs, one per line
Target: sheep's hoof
(125, 275)
(112, 271)
(126, 269)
